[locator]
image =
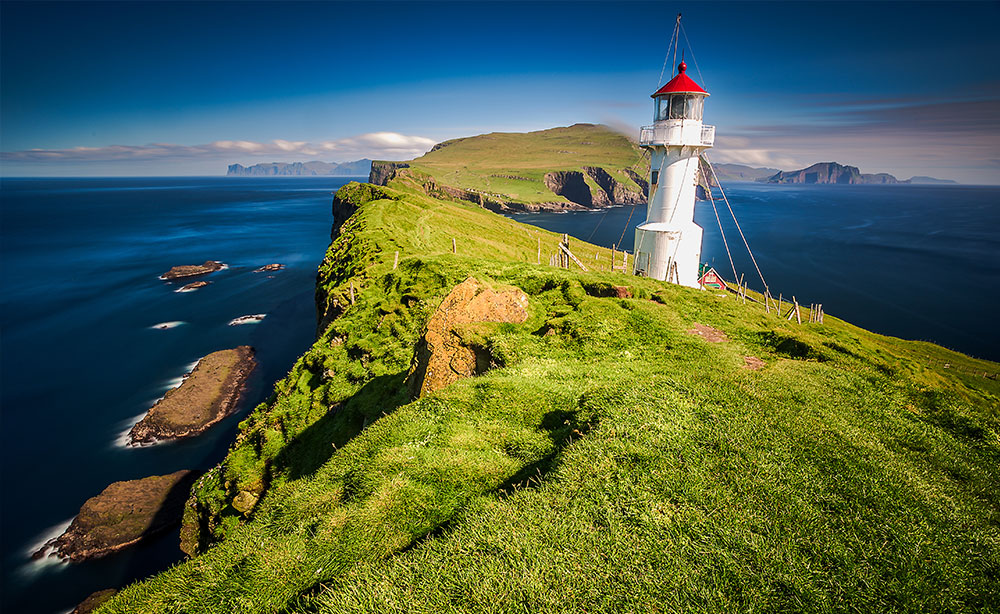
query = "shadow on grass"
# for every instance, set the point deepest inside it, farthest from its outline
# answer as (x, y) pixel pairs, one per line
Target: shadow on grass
(562, 428)
(314, 446)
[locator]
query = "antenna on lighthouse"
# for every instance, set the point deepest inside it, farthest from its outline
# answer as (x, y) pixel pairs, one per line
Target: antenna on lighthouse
(671, 45)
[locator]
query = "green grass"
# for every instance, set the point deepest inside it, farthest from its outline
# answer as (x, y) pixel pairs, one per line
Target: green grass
(511, 166)
(611, 463)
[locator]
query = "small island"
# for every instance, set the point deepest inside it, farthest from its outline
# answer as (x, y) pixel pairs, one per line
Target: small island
(206, 396)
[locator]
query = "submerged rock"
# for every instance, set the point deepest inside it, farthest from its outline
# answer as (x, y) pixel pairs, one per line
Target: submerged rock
(125, 513)
(194, 285)
(207, 396)
(442, 357)
(269, 267)
(191, 270)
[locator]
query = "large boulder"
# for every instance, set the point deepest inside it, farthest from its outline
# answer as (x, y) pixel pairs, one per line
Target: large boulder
(125, 513)
(206, 396)
(442, 357)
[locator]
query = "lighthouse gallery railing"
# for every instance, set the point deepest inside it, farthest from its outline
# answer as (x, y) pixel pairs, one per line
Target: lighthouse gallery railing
(675, 135)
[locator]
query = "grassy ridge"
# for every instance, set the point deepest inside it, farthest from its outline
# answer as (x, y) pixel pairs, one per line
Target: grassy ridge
(613, 462)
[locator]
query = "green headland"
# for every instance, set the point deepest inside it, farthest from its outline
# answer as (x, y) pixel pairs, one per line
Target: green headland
(577, 167)
(605, 458)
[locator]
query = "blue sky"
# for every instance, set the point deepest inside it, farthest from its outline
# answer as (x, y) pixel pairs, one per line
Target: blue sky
(187, 88)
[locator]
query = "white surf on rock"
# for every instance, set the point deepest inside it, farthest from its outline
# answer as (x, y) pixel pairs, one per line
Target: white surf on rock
(250, 319)
(167, 325)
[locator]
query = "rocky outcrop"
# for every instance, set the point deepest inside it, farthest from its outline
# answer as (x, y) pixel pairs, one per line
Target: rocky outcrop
(382, 171)
(615, 191)
(573, 186)
(443, 356)
(206, 396)
(192, 270)
(269, 267)
(830, 172)
(124, 514)
(358, 168)
(639, 181)
(570, 185)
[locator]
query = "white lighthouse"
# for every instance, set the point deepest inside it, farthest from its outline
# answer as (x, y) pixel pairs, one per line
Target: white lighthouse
(668, 243)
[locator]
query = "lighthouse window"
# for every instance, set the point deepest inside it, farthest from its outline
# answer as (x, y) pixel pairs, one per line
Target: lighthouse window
(693, 107)
(663, 108)
(677, 107)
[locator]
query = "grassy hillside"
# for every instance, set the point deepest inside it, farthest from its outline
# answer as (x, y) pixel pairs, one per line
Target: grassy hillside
(611, 462)
(511, 168)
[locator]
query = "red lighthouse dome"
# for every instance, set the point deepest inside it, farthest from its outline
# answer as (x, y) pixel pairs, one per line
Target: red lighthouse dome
(681, 84)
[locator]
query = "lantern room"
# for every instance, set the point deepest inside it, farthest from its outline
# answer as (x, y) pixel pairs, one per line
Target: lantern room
(680, 98)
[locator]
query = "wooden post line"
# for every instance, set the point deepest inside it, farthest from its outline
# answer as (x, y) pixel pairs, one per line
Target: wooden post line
(564, 247)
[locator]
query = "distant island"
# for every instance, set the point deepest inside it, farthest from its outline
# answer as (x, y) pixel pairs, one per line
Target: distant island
(922, 179)
(832, 172)
(358, 168)
(740, 172)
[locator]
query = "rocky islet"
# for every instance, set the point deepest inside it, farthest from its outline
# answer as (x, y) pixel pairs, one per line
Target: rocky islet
(209, 394)
(123, 514)
(193, 270)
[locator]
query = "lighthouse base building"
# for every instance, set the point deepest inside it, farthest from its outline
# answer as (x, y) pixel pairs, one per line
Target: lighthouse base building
(668, 243)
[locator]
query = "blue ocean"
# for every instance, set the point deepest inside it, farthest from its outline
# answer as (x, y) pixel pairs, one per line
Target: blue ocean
(82, 357)
(82, 361)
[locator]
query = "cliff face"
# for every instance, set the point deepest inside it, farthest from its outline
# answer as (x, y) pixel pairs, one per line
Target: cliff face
(830, 172)
(358, 168)
(382, 171)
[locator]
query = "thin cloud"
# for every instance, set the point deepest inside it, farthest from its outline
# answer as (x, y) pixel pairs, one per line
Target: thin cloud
(383, 145)
(943, 139)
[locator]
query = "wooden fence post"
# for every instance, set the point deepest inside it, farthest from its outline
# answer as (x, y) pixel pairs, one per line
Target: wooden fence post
(539, 250)
(454, 249)
(395, 261)
(352, 292)
(798, 315)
